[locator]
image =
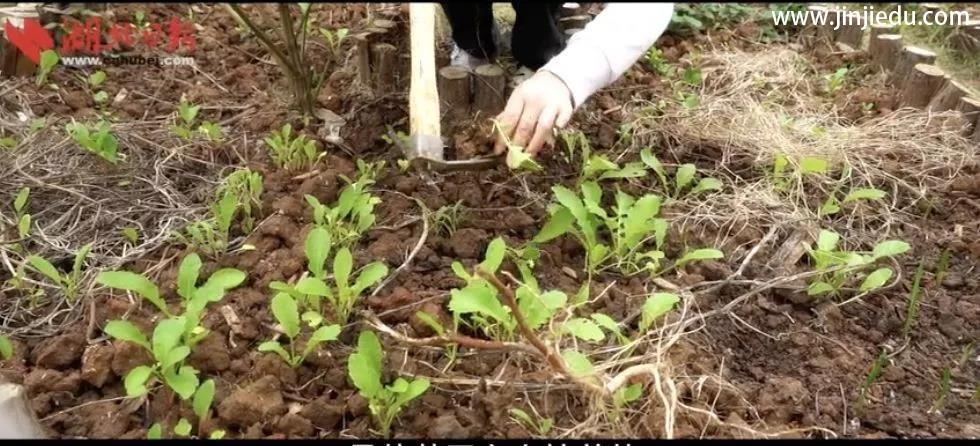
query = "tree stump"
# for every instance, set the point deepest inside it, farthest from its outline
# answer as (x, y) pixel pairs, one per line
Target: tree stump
(576, 21)
(810, 32)
(570, 9)
(383, 62)
(881, 29)
(454, 91)
(850, 32)
(362, 53)
(907, 60)
(921, 84)
(948, 96)
(885, 50)
(488, 89)
(970, 109)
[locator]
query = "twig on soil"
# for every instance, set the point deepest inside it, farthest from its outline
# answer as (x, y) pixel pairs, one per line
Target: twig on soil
(448, 338)
(411, 256)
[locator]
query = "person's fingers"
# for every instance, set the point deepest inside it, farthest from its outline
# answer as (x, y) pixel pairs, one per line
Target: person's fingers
(546, 121)
(564, 115)
(526, 125)
(507, 120)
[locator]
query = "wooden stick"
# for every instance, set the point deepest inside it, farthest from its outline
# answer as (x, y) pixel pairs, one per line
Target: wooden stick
(383, 61)
(423, 96)
(850, 32)
(488, 89)
(948, 96)
(921, 85)
(885, 50)
(454, 90)
(907, 60)
(363, 56)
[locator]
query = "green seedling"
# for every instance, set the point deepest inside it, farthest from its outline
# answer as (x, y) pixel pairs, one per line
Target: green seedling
(139, 17)
(211, 131)
(626, 395)
(211, 235)
(942, 393)
(334, 39)
(831, 206)
(385, 402)
(186, 116)
(912, 307)
(655, 307)
(630, 226)
(517, 158)
(805, 166)
(132, 235)
(351, 216)
(446, 219)
(657, 63)
(69, 282)
(245, 188)
(291, 153)
(480, 302)
(20, 212)
(683, 177)
(286, 312)
(540, 426)
(836, 80)
(596, 166)
(8, 141)
(96, 140)
(201, 404)
(6, 348)
(342, 294)
(840, 267)
(876, 368)
(168, 353)
(195, 298)
(49, 58)
(95, 80)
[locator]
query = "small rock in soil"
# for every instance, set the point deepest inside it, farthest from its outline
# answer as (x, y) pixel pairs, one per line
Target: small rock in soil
(447, 426)
(271, 365)
(468, 243)
(127, 356)
(252, 404)
(387, 248)
(211, 355)
(106, 421)
(40, 381)
(97, 364)
(357, 405)
(294, 425)
(60, 352)
(323, 413)
(953, 281)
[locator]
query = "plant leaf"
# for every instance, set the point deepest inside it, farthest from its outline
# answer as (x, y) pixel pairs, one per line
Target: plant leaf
(656, 306)
(827, 240)
(166, 336)
(869, 193)
(135, 380)
(495, 255)
(126, 331)
(578, 364)
(705, 185)
(364, 365)
(889, 248)
(226, 278)
(183, 428)
(183, 382)
(6, 348)
(313, 286)
(317, 250)
(654, 164)
(558, 223)
(203, 398)
(876, 279)
(46, 268)
(700, 254)
(478, 297)
(286, 312)
(606, 322)
(684, 176)
(584, 329)
(155, 432)
(369, 276)
(187, 275)
(538, 309)
(80, 257)
(431, 322)
(321, 335)
(810, 164)
(274, 347)
(21, 199)
(125, 280)
(343, 263)
(818, 288)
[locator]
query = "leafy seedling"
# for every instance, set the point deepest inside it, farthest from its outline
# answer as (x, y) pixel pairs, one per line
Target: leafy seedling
(20, 212)
(168, 353)
(97, 140)
(655, 307)
(69, 282)
(196, 298)
(876, 368)
(6, 348)
(245, 187)
(835, 81)
(351, 216)
(385, 402)
(683, 177)
(286, 312)
(292, 153)
(343, 293)
(49, 58)
(912, 307)
(211, 131)
(839, 267)
(831, 206)
(186, 116)
(540, 426)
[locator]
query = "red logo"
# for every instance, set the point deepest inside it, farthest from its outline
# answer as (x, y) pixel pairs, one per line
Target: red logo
(31, 40)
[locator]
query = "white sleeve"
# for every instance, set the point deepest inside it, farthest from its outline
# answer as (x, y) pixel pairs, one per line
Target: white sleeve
(608, 46)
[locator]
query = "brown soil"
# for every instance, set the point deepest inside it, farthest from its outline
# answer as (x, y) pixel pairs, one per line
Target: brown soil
(788, 366)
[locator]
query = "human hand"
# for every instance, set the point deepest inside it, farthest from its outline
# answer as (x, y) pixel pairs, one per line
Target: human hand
(536, 106)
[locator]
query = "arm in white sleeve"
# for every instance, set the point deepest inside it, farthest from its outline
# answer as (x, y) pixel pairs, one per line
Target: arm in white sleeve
(608, 46)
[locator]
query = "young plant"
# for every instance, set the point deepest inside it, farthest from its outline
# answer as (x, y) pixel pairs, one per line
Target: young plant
(211, 235)
(657, 63)
(69, 282)
(201, 404)
(6, 348)
(831, 206)
(96, 140)
(840, 267)
(286, 312)
(836, 80)
(351, 216)
(95, 80)
(942, 393)
(21, 216)
(655, 307)
(876, 368)
(342, 294)
(385, 401)
(186, 116)
(245, 187)
(596, 166)
(211, 131)
(683, 177)
(168, 353)
(49, 58)
(291, 153)
(446, 219)
(540, 426)
(912, 307)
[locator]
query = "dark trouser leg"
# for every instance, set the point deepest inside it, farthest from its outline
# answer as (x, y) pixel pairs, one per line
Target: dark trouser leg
(536, 37)
(472, 24)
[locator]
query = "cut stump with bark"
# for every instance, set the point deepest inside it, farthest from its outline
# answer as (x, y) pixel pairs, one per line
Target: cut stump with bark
(885, 50)
(384, 58)
(362, 54)
(454, 91)
(851, 32)
(907, 60)
(881, 29)
(488, 89)
(948, 96)
(921, 85)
